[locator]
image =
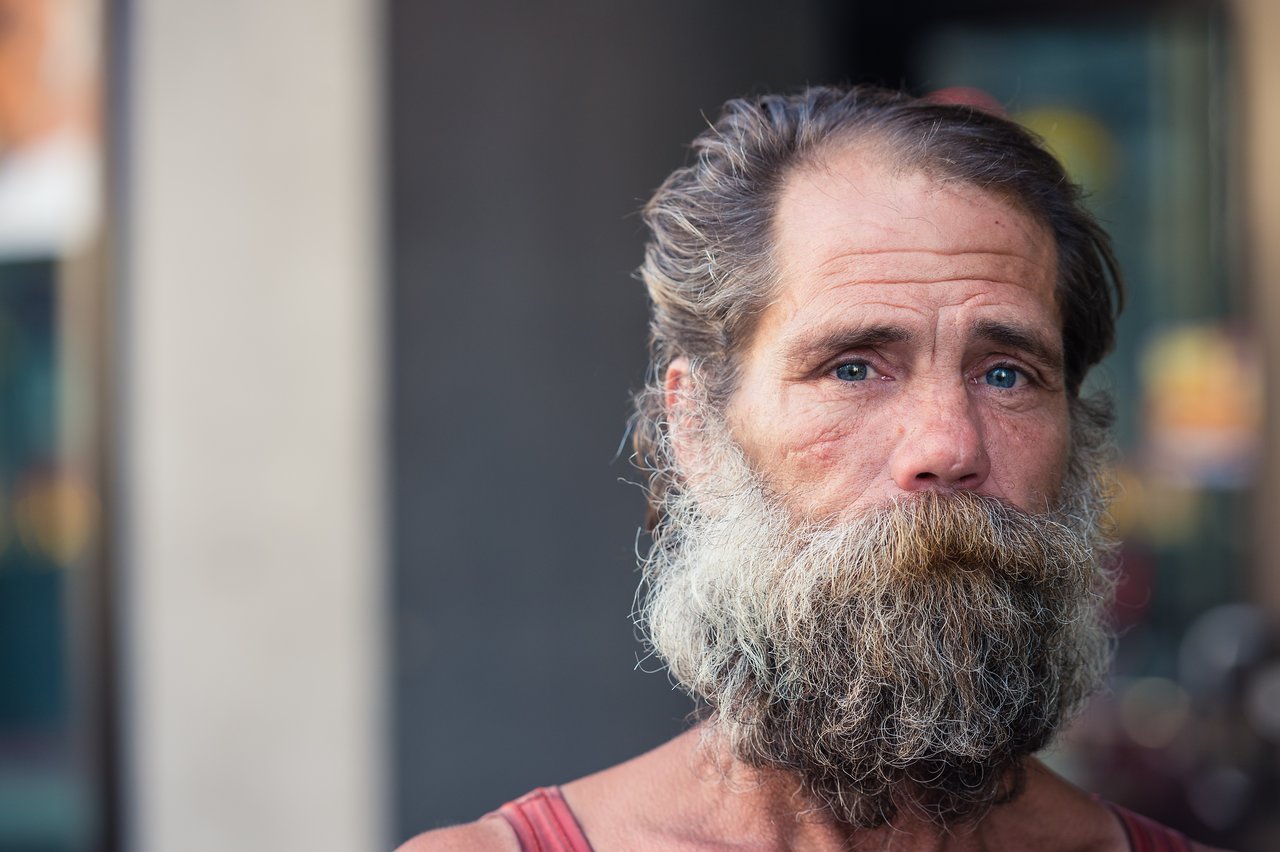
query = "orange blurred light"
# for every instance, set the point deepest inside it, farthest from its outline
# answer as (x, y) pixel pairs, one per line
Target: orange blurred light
(56, 515)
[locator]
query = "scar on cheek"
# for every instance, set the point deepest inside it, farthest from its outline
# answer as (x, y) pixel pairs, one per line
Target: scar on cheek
(820, 448)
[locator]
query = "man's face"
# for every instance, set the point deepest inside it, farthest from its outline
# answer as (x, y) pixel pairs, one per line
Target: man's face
(914, 344)
(882, 572)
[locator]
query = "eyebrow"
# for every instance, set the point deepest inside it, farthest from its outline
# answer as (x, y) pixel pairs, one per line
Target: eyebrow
(802, 352)
(1023, 339)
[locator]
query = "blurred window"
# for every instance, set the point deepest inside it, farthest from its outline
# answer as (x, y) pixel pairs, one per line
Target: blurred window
(52, 659)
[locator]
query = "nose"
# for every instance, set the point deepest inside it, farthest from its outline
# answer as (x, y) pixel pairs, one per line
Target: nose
(941, 445)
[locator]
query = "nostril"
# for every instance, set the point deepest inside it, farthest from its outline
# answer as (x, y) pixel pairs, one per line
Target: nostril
(968, 480)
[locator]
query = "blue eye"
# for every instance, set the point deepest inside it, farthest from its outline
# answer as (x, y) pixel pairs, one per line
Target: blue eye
(1002, 377)
(854, 372)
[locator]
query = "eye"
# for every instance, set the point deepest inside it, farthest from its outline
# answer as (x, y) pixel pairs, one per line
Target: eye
(855, 371)
(1002, 377)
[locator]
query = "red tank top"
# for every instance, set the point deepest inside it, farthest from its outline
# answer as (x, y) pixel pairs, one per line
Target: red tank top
(1147, 835)
(543, 822)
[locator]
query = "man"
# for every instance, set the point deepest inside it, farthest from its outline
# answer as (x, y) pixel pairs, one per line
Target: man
(878, 561)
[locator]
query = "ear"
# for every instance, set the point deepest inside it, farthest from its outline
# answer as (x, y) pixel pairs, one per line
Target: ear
(677, 382)
(682, 417)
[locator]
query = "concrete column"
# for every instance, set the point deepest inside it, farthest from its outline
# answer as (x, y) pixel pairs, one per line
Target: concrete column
(252, 565)
(1257, 27)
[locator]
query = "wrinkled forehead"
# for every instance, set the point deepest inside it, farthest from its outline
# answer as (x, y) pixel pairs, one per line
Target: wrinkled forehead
(855, 198)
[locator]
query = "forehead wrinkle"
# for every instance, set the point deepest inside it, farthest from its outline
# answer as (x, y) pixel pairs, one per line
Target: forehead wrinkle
(844, 228)
(938, 251)
(857, 308)
(1012, 226)
(925, 266)
(854, 297)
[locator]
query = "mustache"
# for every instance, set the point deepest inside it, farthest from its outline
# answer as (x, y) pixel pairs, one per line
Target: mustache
(942, 531)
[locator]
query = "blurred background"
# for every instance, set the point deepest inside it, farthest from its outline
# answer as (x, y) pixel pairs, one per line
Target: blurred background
(317, 335)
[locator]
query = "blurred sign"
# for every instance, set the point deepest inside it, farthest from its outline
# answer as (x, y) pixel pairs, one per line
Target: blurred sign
(49, 157)
(1202, 387)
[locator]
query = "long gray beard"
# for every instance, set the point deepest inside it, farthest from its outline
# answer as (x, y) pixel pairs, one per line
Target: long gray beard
(908, 660)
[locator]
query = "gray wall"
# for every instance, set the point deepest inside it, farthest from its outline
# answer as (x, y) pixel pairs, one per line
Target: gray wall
(524, 136)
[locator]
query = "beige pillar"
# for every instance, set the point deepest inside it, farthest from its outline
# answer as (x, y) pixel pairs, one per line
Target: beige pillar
(1257, 31)
(252, 565)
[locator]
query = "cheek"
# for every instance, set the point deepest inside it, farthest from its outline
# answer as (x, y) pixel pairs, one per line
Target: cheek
(1029, 457)
(821, 455)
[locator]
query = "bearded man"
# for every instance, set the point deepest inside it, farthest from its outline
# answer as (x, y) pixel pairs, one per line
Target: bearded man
(879, 561)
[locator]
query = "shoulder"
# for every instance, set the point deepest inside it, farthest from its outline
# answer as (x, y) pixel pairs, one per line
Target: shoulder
(1052, 813)
(1087, 821)
(483, 835)
(669, 797)
(1147, 833)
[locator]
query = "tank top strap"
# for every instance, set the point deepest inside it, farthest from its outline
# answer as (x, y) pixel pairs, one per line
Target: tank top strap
(543, 822)
(1147, 835)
